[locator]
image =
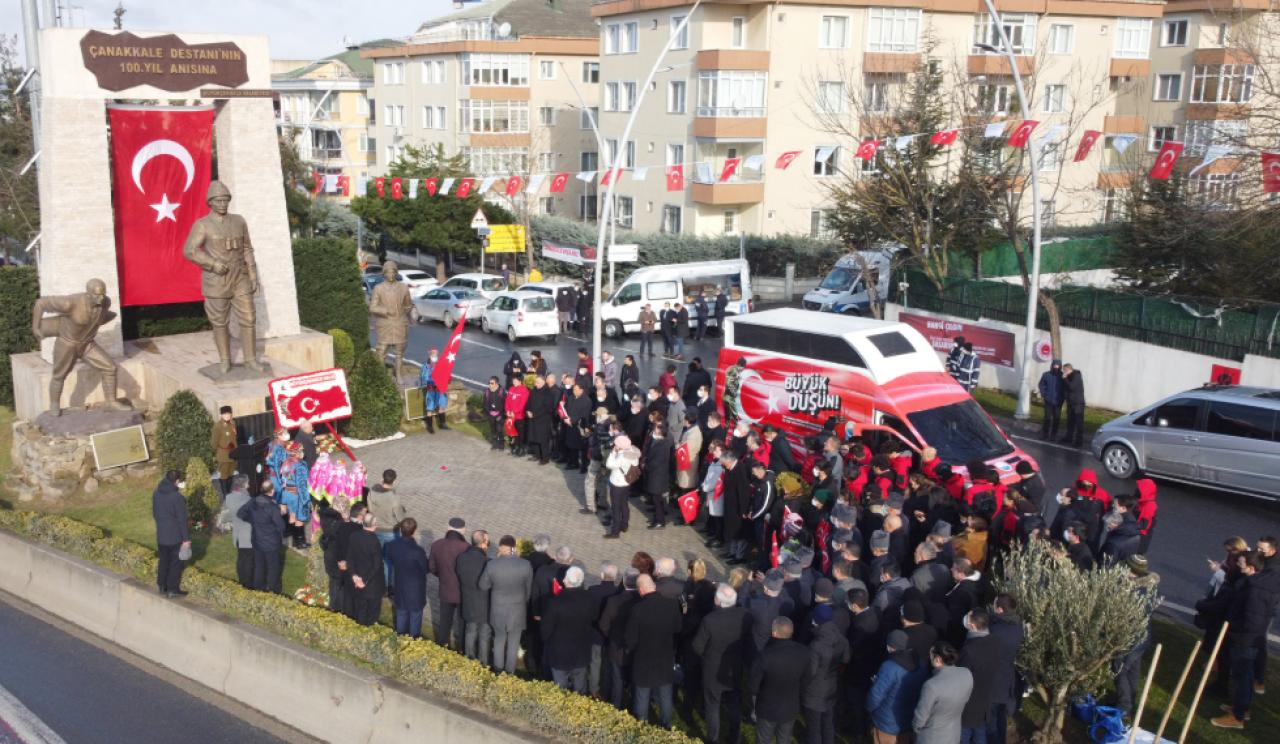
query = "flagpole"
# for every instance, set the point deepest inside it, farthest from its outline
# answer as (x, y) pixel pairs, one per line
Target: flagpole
(1023, 409)
(607, 211)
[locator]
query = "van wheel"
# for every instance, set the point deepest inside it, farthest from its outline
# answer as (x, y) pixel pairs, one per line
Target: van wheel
(511, 334)
(484, 325)
(612, 329)
(448, 320)
(1119, 461)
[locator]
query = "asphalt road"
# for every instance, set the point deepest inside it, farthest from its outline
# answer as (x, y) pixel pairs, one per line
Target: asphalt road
(1192, 522)
(58, 684)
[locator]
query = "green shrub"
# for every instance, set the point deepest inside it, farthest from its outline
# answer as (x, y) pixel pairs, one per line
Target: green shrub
(375, 399)
(203, 502)
(150, 321)
(317, 577)
(330, 293)
(344, 350)
(19, 287)
(183, 432)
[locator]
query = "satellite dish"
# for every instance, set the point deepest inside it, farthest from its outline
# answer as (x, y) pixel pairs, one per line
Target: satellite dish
(504, 30)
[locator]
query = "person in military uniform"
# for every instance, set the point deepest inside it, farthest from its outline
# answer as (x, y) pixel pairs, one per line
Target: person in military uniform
(74, 324)
(219, 244)
(223, 440)
(390, 306)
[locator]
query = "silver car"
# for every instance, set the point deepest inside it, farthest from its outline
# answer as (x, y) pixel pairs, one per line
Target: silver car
(447, 305)
(1220, 436)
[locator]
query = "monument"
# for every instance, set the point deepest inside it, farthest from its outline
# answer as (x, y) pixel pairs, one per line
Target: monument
(73, 323)
(390, 305)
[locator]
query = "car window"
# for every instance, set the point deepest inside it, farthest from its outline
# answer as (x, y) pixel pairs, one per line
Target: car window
(437, 294)
(415, 275)
(468, 294)
(539, 304)
(663, 290)
(629, 293)
(1236, 420)
(1180, 413)
(492, 285)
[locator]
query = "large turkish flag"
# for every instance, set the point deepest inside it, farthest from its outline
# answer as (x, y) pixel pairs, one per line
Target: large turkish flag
(161, 164)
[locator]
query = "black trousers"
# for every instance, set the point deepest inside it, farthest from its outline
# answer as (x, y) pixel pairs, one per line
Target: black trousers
(619, 508)
(367, 605)
(266, 570)
(820, 725)
(495, 431)
(335, 592)
(444, 631)
(1075, 424)
(659, 503)
(713, 698)
(169, 568)
(646, 341)
(244, 567)
(1052, 414)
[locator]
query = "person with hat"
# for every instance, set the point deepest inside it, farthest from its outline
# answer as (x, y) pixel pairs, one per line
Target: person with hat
(829, 651)
(1052, 395)
(892, 698)
(1029, 483)
(442, 562)
(434, 400)
(623, 464)
(920, 635)
(295, 494)
(953, 356)
(508, 579)
(223, 440)
(276, 455)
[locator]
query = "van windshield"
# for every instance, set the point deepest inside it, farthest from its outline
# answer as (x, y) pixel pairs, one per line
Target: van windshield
(839, 279)
(961, 432)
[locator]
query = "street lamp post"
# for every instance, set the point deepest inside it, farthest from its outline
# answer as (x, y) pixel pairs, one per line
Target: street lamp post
(606, 210)
(1023, 409)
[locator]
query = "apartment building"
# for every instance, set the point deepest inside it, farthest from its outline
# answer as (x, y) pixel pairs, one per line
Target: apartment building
(325, 104)
(748, 79)
(507, 84)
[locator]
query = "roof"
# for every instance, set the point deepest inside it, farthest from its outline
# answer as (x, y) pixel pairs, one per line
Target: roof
(360, 67)
(530, 17)
(1261, 394)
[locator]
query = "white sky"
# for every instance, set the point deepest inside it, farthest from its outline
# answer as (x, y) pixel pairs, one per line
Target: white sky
(298, 29)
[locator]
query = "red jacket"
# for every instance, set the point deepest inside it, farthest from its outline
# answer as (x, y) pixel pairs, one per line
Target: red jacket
(1146, 511)
(1097, 493)
(955, 486)
(930, 468)
(517, 399)
(901, 465)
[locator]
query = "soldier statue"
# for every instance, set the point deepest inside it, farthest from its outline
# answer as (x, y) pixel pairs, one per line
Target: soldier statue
(74, 323)
(219, 244)
(390, 306)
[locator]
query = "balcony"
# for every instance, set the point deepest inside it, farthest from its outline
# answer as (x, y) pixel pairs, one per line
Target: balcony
(718, 123)
(740, 192)
(1217, 111)
(1130, 68)
(879, 63)
(1124, 125)
(732, 59)
(1120, 178)
(1223, 56)
(998, 64)
(324, 155)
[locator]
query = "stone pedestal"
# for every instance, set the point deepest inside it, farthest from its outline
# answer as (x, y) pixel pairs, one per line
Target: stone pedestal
(51, 466)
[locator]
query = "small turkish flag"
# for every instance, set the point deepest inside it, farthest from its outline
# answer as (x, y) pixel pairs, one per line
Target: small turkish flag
(785, 159)
(513, 185)
(510, 427)
(944, 138)
(319, 177)
(442, 373)
(730, 167)
(609, 175)
(380, 184)
(675, 178)
(689, 504)
(432, 185)
(1086, 144)
(464, 187)
(344, 184)
(867, 150)
(1022, 133)
(1271, 172)
(684, 460)
(558, 183)
(773, 550)
(1165, 161)
(397, 188)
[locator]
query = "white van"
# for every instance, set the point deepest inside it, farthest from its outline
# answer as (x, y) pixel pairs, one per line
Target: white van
(844, 290)
(657, 285)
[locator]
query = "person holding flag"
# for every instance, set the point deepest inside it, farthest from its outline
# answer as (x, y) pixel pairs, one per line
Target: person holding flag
(435, 375)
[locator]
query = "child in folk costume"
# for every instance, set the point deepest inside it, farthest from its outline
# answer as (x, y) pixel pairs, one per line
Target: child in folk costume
(434, 401)
(296, 494)
(276, 456)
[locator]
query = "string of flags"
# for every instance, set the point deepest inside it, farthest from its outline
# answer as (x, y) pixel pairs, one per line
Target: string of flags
(398, 188)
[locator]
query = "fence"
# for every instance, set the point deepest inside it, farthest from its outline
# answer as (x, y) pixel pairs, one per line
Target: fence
(1185, 325)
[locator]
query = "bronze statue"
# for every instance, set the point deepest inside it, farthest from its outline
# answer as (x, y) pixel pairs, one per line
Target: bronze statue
(390, 306)
(74, 321)
(219, 244)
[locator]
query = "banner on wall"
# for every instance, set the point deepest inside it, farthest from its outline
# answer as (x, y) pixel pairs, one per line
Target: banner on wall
(568, 253)
(992, 346)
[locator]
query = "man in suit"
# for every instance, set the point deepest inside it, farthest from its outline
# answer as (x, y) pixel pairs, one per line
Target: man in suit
(981, 656)
(613, 626)
(721, 644)
(478, 635)
(777, 680)
(169, 510)
(652, 628)
(567, 621)
(364, 564)
(443, 560)
(509, 580)
(600, 593)
(1006, 628)
(736, 493)
(409, 573)
(267, 526)
(938, 714)
(866, 651)
(241, 529)
(545, 578)
(964, 596)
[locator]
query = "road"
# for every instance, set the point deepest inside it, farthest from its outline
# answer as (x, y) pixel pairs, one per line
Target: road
(59, 684)
(1192, 522)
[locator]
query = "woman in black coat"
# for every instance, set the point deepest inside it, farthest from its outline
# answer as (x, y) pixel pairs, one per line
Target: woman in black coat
(657, 472)
(577, 408)
(539, 413)
(629, 377)
(635, 422)
(514, 369)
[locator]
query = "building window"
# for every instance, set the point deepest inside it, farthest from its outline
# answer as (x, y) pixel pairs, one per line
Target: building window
(835, 32)
(546, 161)
(1174, 33)
(587, 206)
(731, 92)
(993, 99)
(484, 117)
(393, 116)
(1221, 83)
(587, 116)
(1217, 190)
(738, 38)
(440, 120)
(393, 73)
(831, 97)
(496, 161)
(825, 161)
(1224, 34)
(625, 208)
(621, 38)
(1114, 206)
(547, 204)
(1201, 135)
(428, 117)
(547, 116)
(589, 161)
(367, 144)
(730, 222)
(1062, 38)
(1019, 27)
(1159, 135)
(1051, 156)
(820, 224)
(675, 154)
(676, 90)
(362, 105)
(591, 72)
(1168, 87)
(432, 71)
(672, 218)
(893, 29)
(1055, 99)
(611, 154)
(1048, 213)
(546, 69)
(612, 96)
(681, 34)
(878, 93)
(1133, 38)
(495, 69)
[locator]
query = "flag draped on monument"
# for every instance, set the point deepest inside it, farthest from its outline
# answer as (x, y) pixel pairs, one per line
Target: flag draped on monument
(161, 168)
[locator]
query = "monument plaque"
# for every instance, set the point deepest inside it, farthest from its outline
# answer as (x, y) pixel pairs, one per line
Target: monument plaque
(124, 60)
(413, 408)
(119, 447)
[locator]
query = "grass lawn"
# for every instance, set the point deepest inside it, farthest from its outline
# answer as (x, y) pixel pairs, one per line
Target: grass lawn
(1003, 404)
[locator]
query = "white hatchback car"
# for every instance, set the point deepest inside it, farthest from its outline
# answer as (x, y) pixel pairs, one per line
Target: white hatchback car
(488, 285)
(417, 280)
(521, 314)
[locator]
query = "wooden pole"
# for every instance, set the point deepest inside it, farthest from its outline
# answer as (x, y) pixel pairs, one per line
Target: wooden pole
(1177, 690)
(1146, 689)
(1204, 679)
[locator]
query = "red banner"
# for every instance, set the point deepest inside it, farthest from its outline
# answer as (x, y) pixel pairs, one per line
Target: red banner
(161, 164)
(1271, 172)
(992, 346)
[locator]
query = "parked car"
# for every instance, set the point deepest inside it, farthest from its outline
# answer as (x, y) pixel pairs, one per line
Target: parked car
(447, 305)
(521, 314)
(1220, 436)
(488, 285)
(417, 280)
(551, 289)
(370, 281)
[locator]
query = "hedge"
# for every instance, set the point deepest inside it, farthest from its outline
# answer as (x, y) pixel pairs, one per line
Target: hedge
(330, 293)
(203, 501)
(183, 432)
(152, 321)
(375, 399)
(537, 706)
(19, 288)
(344, 351)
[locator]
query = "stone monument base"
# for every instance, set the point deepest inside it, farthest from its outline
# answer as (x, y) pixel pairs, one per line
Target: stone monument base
(52, 456)
(238, 373)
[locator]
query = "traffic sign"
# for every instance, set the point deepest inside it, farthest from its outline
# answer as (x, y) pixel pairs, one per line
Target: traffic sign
(624, 253)
(479, 220)
(506, 239)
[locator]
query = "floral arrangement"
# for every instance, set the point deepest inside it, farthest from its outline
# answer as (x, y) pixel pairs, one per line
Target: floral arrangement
(198, 525)
(310, 596)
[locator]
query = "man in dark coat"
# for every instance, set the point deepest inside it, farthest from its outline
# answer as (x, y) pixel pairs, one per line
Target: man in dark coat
(1253, 604)
(722, 304)
(701, 309)
(409, 578)
(681, 330)
(964, 596)
(613, 626)
(331, 522)
(721, 643)
(1051, 393)
(443, 562)
(736, 493)
(1006, 628)
(540, 413)
(666, 327)
(866, 651)
(696, 377)
(652, 629)
(577, 418)
(777, 680)
(346, 597)
(169, 510)
(597, 680)
(477, 634)
(657, 473)
(568, 620)
(829, 652)
(266, 518)
(1073, 394)
(364, 565)
(545, 579)
(982, 657)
